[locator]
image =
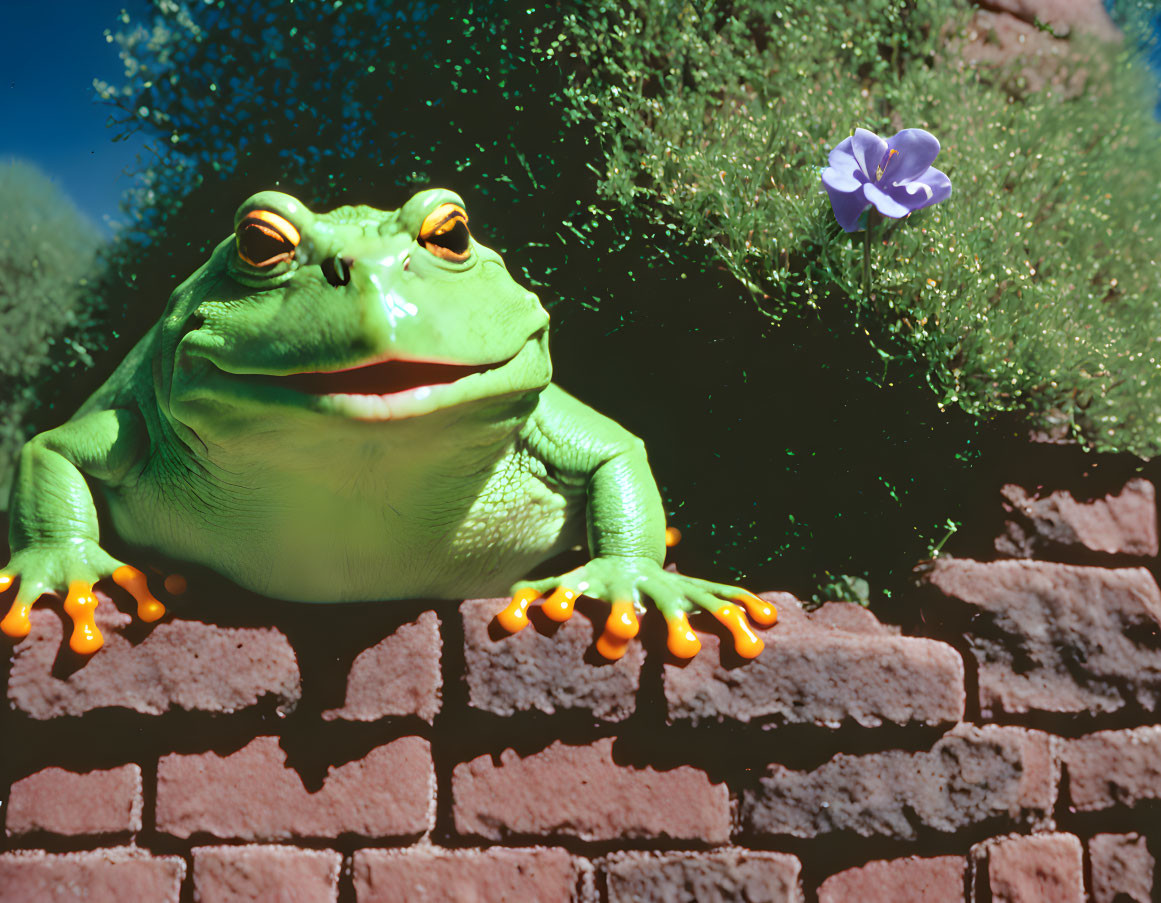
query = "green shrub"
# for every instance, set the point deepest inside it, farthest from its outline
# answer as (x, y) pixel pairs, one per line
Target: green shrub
(783, 453)
(1031, 289)
(47, 248)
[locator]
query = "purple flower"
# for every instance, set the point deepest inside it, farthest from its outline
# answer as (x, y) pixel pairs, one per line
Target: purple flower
(896, 176)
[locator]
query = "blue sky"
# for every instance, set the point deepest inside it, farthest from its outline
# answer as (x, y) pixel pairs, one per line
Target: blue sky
(50, 52)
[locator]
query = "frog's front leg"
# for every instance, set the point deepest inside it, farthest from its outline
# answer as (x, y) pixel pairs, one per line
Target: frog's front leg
(626, 535)
(54, 532)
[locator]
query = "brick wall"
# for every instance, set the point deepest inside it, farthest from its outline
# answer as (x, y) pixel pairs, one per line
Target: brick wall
(1001, 742)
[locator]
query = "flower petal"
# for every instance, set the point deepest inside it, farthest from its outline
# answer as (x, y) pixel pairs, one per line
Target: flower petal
(884, 203)
(915, 151)
(842, 154)
(869, 150)
(929, 188)
(940, 185)
(848, 206)
(841, 179)
(843, 174)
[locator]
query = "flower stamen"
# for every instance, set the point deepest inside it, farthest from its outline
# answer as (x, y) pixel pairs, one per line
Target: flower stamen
(882, 167)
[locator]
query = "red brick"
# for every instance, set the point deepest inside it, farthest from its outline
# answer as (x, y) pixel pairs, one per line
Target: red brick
(265, 874)
(1122, 869)
(1087, 16)
(912, 880)
(118, 873)
(579, 791)
(65, 802)
(1029, 869)
(1060, 638)
(399, 675)
(969, 776)
(179, 665)
(1058, 524)
(546, 666)
(1114, 768)
(722, 876)
(430, 875)
(1006, 36)
(846, 616)
(253, 795)
(1000, 40)
(833, 666)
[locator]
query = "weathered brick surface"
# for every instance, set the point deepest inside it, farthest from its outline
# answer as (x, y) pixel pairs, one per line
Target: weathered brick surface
(399, 675)
(998, 39)
(969, 776)
(1114, 768)
(1122, 869)
(265, 874)
(1006, 32)
(1064, 16)
(939, 879)
(724, 876)
(1060, 638)
(179, 665)
(252, 794)
(580, 791)
(1058, 524)
(1029, 869)
(103, 875)
(430, 875)
(546, 666)
(834, 665)
(65, 802)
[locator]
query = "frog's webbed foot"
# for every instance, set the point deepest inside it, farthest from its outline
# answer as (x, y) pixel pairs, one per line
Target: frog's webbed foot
(622, 582)
(38, 571)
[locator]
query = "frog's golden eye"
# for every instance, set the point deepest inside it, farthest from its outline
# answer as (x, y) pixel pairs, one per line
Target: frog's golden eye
(445, 233)
(265, 238)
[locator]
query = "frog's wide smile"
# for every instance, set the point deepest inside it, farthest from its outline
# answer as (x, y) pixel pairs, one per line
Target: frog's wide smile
(379, 378)
(379, 389)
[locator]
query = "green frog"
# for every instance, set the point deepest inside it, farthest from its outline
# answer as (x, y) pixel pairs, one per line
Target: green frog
(354, 405)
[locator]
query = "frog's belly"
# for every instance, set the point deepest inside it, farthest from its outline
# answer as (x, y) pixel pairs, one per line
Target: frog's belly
(324, 547)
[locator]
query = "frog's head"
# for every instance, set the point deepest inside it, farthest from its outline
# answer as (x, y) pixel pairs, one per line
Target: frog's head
(358, 314)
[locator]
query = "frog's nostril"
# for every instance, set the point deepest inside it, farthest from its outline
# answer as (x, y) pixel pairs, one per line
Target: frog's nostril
(337, 270)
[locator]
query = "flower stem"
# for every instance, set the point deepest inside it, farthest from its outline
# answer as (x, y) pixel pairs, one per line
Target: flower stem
(867, 255)
(871, 220)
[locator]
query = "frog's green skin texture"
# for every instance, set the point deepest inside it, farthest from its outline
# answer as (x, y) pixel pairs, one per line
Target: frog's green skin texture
(206, 448)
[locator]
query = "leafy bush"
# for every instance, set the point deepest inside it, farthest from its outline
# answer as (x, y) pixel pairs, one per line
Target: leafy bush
(47, 247)
(784, 452)
(1031, 289)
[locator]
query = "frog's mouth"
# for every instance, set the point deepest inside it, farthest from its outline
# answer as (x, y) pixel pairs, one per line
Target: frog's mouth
(385, 378)
(391, 389)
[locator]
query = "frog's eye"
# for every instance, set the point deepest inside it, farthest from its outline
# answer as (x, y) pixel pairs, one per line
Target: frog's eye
(445, 233)
(265, 238)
